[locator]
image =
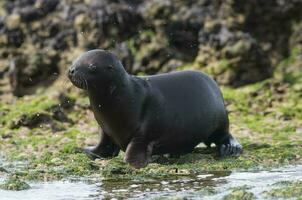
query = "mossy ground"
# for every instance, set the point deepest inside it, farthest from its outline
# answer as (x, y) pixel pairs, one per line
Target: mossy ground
(266, 117)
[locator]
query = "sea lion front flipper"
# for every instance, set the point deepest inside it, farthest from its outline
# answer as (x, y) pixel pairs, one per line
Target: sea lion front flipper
(138, 153)
(229, 147)
(104, 149)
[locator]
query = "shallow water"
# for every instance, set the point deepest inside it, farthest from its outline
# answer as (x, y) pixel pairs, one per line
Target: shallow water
(192, 187)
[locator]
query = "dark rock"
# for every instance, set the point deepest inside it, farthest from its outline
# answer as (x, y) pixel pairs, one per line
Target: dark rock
(239, 41)
(157, 11)
(153, 60)
(115, 21)
(27, 71)
(29, 14)
(66, 102)
(236, 58)
(64, 39)
(40, 9)
(15, 37)
(7, 135)
(171, 65)
(125, 55)
(47, 5)
(270, 23)
(2, 169)
(184, 37)
(58, 114)
(31, 121)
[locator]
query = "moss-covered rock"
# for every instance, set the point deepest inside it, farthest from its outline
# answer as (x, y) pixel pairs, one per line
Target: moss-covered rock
(232, 57)
(14, 183)
(42, 37)
(240, 195)
(29, 70)
(287, 190)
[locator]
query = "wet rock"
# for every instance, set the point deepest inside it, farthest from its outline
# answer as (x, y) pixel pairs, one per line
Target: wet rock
(178, 21)
(25, 72)
(59, 114)
(36, 11)
(14, 37)
(47, 5)
(11, 5)
(29, 14)
(234, 57)
(172, 65)
(14, 183)
(6, 136)
(124, 53)
(157, 11)
(64, 40)
(240, 42)
(184, 37)
(153, 60)
(66, 102)
(2, 169)
(111, 19)
(293, 64)
(31, 120)
(3, 70)
(270, 23)
(13, 21)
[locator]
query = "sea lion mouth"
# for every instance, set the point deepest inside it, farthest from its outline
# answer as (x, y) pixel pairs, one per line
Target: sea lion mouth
(79, 81)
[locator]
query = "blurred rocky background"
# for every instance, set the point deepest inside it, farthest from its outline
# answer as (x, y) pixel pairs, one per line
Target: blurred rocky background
(237, 42)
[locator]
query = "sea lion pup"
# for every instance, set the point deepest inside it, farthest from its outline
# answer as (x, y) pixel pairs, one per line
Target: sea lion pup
(147, 115)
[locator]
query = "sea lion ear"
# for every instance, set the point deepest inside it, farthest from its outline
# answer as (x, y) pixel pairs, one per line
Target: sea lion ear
(110, 67)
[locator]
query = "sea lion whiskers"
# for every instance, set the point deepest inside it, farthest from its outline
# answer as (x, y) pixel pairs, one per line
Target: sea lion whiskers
(78, 79)
(83, 80)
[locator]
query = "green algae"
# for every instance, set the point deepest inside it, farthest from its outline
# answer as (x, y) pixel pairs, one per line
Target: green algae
(25, 106)
(286, 189)
(239, 195)
(14, 183)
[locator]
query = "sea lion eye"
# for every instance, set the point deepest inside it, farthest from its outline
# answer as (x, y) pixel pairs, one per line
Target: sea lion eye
(92, 66)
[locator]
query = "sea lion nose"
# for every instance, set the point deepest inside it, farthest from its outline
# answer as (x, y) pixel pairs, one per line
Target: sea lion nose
(71, 71)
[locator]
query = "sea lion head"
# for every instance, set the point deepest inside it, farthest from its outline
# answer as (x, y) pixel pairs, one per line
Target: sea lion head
(96, 69)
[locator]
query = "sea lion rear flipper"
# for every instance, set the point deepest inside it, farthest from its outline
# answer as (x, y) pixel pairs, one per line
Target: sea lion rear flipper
(229, 147)
(138, 153)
